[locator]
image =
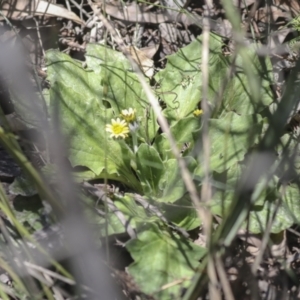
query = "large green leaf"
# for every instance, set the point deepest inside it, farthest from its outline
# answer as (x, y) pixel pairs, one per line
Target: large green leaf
(251, 93)
(231, 137)
(280, 214)
(134, 215)
(263, 199)
(180, 81)
(76, 93)
(164, 258)
(171, 184)
(222, 198)
(290, 204)
(182, 213)
(280, 204)
(123, 90)
(182, 132)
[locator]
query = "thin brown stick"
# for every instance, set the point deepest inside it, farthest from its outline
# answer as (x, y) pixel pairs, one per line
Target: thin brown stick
(224, 280)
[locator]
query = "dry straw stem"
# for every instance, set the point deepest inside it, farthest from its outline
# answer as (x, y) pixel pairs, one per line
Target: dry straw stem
(55, 275)
(186, 176)
(224, 279)
(214, 292)
(206, 187)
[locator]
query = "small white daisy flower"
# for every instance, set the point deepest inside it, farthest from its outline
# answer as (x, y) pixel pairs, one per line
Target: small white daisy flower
(117, 128)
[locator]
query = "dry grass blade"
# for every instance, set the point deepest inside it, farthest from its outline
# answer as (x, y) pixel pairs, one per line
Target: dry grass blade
(224, 279)
(49, 273)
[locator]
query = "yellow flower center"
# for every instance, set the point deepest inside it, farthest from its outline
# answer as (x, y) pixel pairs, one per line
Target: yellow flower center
(118, 128)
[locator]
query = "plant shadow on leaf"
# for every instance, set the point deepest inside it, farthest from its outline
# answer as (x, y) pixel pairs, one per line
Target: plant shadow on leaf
(164, 257)
(171, 184)
(150, 169)
(182, 132)
(238, 95)
(182, 213)
(231, 137)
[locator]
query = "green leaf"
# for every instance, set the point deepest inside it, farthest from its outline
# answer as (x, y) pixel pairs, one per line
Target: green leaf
(97, 55)
(76, 94)
(239, 94)
(231, 137)
(222, 199)
(171, 183)
(83, 175)
(226, 191)
(123, 89)
(259, 218)
(22, 186)
(164, 258)
(182, 132)
(291, 196)
(182, 213)
(150, 169)
(180, 81)
(134, 214)
(284, 213)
